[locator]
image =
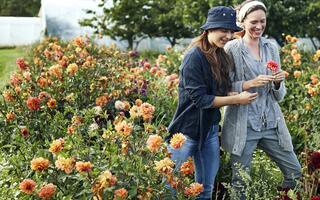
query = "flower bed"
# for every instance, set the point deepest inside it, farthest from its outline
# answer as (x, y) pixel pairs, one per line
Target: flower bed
(80, 121)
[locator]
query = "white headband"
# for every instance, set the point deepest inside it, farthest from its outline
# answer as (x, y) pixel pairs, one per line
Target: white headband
(243, 11)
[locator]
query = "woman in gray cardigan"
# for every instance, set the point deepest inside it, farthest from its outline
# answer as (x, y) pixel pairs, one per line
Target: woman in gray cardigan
(261, 123)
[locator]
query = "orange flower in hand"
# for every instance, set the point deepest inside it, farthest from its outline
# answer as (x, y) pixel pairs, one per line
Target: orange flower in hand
(273, 66)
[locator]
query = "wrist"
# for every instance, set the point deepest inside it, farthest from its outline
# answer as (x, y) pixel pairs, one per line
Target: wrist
(251, 84)
(236, 99)
(247, 85)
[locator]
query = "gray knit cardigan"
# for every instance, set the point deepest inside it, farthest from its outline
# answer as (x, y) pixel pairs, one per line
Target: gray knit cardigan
(234, 129)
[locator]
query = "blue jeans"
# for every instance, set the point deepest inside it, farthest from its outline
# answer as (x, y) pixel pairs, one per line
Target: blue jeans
(206, 160)
(267, 140)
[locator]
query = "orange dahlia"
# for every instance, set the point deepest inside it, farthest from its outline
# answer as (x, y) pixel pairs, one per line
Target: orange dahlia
(33, 103)
(187, 167)
(56, 146)
(120, 194)
(39, 164)
(84, 166)
(27, 186)
(47, 191)
(177, 140)
(154, 142)
(193, 190)
(52, 103)
(65, 164)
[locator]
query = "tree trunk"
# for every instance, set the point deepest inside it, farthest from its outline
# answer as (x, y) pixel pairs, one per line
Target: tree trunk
(130, 43)
(172, 41)
(138, 42)
(313, 43)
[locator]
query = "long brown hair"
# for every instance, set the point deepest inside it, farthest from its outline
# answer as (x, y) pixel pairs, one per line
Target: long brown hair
(220, 62)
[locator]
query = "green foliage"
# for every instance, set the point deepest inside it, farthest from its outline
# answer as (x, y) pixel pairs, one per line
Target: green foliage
(133, 21)
(19, 8)
(127, 20)
(105, 104)
(178, 19)
(300, 106)
(97, 107)
(7, 62)
(263, 181)
(183, 18)
(283, 16)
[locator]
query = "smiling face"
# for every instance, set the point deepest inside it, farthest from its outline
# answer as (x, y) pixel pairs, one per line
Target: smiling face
(255, 23)
(219, 37)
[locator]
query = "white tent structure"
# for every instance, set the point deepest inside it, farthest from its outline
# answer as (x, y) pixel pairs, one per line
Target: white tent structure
(16, 31)
(62, 17)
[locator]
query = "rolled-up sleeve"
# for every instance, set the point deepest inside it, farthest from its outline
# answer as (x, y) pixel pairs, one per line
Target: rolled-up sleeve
(279, 93)
(237, 86)
(193, 81)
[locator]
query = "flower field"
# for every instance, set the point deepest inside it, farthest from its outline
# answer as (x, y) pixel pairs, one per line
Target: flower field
(80, 121)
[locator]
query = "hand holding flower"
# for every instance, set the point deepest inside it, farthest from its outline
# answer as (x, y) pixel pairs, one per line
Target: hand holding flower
(279, 76)
(260, 81)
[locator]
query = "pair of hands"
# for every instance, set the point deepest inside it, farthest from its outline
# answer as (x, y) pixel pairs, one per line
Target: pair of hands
(262, 80)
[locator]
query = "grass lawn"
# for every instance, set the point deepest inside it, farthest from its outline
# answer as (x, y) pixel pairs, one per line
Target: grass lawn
(8, 62)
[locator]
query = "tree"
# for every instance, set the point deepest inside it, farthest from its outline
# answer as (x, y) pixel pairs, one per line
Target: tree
(284, 17)
(22, 8)
(127, 19)
(131, 20)
(313, 15)
(175, 19)
(178, 19)
(297, 17)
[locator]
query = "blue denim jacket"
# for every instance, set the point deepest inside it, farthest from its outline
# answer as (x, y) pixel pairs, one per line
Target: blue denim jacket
(197, 89)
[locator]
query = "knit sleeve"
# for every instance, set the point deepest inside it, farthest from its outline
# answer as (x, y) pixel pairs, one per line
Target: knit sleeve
(229, 48)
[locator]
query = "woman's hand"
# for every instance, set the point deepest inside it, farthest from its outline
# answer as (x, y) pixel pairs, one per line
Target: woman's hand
(279, 76)
(234, 98)
(246, 97)
(260, 81)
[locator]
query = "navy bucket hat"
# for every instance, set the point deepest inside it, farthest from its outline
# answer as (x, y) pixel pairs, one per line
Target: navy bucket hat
(221, 17)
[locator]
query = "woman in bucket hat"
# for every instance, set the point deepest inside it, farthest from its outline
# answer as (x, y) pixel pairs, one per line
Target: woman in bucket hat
(203, 88)
(261, 123)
